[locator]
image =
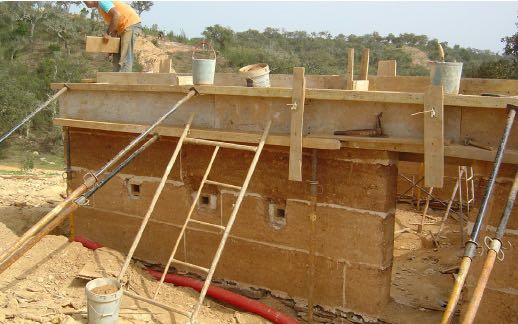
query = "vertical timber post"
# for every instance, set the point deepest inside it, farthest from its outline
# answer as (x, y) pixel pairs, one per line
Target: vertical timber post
(297, 124)
(433, 136)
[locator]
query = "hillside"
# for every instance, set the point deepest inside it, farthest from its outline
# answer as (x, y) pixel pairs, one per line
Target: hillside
(42, 42)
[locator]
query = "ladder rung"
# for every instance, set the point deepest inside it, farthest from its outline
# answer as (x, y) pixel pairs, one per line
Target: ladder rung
(191, 265)
(221, 144)
(154, 302)
(221, 184)
(205, 223)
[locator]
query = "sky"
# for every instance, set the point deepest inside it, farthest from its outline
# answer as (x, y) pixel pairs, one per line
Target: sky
(478, 25)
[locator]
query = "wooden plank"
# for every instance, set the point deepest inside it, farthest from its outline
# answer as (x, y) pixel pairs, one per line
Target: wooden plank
(349, 75)
(308, 141)
(297, 123)
(327, 142)
(136, 78)
(320, 94)
(184, 80)
(433, 137)
(165, 65)
(387, 68)
(468, 86)
(96, 45)
(364, 71)
(361, 85)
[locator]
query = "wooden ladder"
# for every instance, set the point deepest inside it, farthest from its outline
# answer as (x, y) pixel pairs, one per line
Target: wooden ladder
(192, 315)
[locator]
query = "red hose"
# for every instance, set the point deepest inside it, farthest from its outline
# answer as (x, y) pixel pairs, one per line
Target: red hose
(228, 297)
(241, 302)
(89, 244)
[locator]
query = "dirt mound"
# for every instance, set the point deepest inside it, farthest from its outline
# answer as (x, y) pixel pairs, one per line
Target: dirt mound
(149, 55)
(418, 57)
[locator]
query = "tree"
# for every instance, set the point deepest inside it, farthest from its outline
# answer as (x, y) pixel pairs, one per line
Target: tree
(34, 13)
(221, 36)
(141, 6)
(511, 45)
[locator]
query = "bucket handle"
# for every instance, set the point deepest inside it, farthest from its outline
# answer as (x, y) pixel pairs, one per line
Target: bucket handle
(201, 45)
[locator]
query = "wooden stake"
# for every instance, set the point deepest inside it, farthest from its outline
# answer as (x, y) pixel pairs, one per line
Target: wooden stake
(364, 72)
(349, 75)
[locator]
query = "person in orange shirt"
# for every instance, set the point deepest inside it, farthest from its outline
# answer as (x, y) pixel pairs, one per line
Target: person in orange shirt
(122, 22)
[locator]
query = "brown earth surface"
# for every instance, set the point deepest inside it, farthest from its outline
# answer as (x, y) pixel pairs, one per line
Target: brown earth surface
(47, 284)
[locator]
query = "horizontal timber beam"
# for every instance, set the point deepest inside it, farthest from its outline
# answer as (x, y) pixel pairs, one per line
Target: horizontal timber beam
(328, 142)
(210, 134)
(317, 94)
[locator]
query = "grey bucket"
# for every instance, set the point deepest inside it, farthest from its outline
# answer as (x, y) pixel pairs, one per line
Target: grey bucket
(103, 309)
(203, 70)
(256, 75)
(446, 74)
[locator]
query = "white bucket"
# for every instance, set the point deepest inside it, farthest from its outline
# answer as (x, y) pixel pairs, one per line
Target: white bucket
(103, 309)
(203, 70)
(256, 75)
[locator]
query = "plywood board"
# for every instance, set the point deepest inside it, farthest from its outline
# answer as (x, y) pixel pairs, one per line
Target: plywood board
(433, 137)
(319, 94)
(96, 45)
(387, 68)
(297, 124)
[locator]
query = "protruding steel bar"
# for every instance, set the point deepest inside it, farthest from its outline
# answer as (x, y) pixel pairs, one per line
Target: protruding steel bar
(313, 189)
(32, 114)
(471, 244)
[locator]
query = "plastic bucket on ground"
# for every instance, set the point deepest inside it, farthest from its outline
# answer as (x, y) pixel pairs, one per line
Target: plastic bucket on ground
(103, 308)
(203, 69)
(256, 75)
(446, 74)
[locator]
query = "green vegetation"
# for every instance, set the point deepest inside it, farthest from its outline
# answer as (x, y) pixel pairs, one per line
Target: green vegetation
(322, 53)
(42, 42)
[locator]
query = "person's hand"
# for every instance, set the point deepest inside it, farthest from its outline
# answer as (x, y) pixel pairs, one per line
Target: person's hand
(106, 38)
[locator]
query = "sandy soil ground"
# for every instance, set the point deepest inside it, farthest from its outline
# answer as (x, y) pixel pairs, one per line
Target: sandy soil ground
(47, 284)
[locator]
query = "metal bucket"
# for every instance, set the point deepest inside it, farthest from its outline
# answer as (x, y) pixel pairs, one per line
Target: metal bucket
(256, 75)
(446, 74)
(103, 309)
(203, 69)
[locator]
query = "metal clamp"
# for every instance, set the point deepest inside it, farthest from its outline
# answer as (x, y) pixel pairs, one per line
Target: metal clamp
(293, 106)
(89, 179)
(432, 112)
(82, 201)
(495, 245)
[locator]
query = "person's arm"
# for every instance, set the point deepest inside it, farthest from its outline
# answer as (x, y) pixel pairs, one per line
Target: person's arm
(109, 8)
(114, 13)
